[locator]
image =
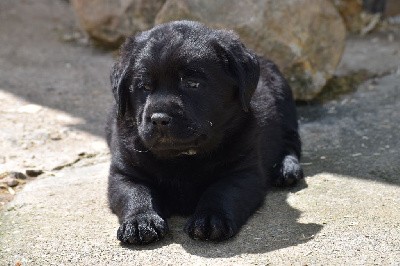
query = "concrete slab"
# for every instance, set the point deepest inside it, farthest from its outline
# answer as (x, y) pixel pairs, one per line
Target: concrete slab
(64, 220)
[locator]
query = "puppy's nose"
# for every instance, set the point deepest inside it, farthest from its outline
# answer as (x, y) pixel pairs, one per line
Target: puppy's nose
(160, 119)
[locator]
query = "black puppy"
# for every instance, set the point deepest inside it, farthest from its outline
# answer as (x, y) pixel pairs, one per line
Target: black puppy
(201, 126)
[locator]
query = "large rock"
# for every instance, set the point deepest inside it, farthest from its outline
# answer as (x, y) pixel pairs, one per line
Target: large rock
(360, 17)
(392, 8)
(109, 21)
(304, 37)
(351, 11)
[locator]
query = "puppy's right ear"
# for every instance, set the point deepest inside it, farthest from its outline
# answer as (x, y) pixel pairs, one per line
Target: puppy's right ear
(120, 86)
(121, 77)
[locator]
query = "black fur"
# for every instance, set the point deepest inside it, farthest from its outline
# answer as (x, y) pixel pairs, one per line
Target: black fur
(192, 133)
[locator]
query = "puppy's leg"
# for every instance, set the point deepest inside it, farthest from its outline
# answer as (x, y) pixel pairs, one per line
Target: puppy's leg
(225, 207)
(289, 171)
(137, 211)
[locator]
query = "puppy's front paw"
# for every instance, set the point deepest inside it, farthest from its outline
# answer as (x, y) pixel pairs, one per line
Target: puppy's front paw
(143, 228)
(210, 226)
(290, 172)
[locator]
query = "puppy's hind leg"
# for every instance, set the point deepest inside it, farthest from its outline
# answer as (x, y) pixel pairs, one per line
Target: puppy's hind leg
(289, 171)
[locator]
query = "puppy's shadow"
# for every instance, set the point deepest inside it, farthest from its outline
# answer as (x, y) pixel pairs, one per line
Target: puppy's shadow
(272, 227)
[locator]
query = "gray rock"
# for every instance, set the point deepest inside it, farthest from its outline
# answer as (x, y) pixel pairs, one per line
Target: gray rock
(12, 182)
(392, 8)
(33, 172)
(305, 38)
(374, 6)
(358, 17)
(351, 11)
(17, 175)
(108, 22)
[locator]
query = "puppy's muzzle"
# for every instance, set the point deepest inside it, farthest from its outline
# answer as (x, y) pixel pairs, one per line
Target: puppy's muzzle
(173, 132)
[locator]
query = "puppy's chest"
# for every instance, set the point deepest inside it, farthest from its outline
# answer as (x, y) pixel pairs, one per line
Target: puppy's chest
(180, 194)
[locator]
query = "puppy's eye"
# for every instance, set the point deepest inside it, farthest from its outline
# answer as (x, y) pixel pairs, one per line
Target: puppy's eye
(192, 84)
(147, 87)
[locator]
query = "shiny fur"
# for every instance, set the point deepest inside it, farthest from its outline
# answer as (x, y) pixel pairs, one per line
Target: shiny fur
(201, 126)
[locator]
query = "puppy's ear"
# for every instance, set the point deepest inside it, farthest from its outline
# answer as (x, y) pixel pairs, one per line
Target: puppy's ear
(120, 86)
(241, 63)
(121, 77)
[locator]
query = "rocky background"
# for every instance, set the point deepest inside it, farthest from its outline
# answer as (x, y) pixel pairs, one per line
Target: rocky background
(304, 37)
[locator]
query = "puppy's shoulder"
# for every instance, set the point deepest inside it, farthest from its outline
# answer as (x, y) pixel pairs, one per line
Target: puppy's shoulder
(272, 82)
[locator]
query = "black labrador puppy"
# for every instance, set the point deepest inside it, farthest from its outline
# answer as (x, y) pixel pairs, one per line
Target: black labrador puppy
(201, 126)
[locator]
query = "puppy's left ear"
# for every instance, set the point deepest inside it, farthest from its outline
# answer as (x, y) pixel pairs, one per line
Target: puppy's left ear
(241, 63)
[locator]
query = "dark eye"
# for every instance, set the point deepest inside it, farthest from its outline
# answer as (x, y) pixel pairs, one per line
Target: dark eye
(142, 83)
(192, 84)
(147, 87)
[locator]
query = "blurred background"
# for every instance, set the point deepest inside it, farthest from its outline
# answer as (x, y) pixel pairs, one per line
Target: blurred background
(306, 39)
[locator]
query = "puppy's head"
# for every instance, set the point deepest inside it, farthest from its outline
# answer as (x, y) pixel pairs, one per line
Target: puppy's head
(184, 86)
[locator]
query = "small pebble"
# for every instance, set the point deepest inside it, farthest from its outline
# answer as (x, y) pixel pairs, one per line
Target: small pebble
(17, 175)
(11, 191)
(12, 182)
(55, 136)
(33, 172)
(29, 109)
(4, 174)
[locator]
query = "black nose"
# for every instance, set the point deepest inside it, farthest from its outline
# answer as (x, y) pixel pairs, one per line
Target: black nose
(160, 119)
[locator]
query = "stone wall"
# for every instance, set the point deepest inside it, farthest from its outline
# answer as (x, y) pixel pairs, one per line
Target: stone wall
(304, 37)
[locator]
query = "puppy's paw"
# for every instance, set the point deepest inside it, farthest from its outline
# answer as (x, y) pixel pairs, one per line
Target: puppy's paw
(143, 228)
(210, 226)
(290, 172)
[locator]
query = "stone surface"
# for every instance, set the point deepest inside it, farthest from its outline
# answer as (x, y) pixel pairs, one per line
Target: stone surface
(33, 172)
(304, 37)
(378, 54)
(374, 6)
(64, 220)
(11, 182)
(392, 8)
(48, 87)
(351, 11)
(17, 175)
(109, 22)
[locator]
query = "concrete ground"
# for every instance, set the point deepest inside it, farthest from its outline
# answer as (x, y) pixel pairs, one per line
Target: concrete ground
(54, 94)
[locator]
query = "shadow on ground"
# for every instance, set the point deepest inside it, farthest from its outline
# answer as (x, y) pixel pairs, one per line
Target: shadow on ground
(273, 227)
(357, 134)
(38, 64)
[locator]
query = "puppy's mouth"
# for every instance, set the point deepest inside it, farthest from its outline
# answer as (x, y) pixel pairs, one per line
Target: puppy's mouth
(170, 147)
